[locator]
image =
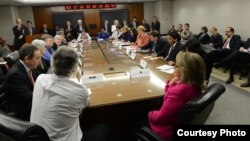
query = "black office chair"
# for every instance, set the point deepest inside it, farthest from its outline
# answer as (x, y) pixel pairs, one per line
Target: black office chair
(12, 129)
(194, 112)
(12, 58)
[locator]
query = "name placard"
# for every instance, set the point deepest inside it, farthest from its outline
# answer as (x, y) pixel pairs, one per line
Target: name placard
(140, 73)
(92, 78)
(133, 55)
(128, 51)
(120, 46)
(143, 64)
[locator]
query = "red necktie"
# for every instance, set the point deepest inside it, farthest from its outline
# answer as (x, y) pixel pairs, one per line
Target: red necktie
(31, 77)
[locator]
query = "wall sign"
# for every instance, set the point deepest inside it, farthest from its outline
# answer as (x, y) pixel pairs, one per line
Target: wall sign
(89, 6)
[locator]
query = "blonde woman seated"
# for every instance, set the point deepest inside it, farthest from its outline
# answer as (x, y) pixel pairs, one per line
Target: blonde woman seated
(84, 36)
(113, 27)
(142, 37)
(186, 85)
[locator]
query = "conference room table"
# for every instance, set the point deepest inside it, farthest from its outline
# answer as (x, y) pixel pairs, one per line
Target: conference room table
(117, 86)
(118, 99)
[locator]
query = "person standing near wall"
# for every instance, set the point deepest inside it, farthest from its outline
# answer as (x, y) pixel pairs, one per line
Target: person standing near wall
(19, 33)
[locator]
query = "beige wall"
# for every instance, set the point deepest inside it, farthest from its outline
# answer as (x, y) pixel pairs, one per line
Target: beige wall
(26, 13)
(6, 23)
(8, 15)
(163, 9)
(219, 13)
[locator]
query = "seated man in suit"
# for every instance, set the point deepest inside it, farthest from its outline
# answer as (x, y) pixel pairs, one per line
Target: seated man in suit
(106, 26)
(103, 34)
(29, 30)
(45, 30)
(79, 28)
(174, 47)
(203, 37)
(231, 44)
(20, 82)
(240, 56)
(156, 45)
(155, 24)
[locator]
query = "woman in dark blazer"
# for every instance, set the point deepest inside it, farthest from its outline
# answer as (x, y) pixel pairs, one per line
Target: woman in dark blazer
(216, 39)
(133, 34)
(19, 33)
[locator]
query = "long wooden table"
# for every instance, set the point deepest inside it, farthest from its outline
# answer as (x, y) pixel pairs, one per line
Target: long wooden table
(118, 87)
(119, 100)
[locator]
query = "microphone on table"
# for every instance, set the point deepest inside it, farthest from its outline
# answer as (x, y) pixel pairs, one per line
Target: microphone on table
(110, 67)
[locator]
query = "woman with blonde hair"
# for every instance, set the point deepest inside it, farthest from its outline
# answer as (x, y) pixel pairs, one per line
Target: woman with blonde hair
(113, 27)
(142, 37)
(187, 84)
(216, 38)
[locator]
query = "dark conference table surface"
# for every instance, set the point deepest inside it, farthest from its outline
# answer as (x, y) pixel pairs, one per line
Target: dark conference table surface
(117, 86)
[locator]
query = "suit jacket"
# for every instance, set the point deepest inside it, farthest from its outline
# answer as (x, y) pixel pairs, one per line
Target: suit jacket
(18, 89)
(172, 54)
(203, 38)
(234, 43)
(76, 30)
(18, 32)
(247, 44)
(27, 31)
(131, 24)
(48, 32)
(125, 36)
(147, 27)
(159, 46)
(176, 96)
(109, 28)
(217, 41)
(155, 26)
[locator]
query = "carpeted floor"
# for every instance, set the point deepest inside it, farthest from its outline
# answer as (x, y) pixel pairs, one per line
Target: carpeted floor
(233, 106)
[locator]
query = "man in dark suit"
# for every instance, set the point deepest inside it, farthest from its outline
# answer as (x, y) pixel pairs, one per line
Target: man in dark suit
(79, 28)
(45, 30)
(156, 45)
(155, 24)
(29, 30)
(174, 47)
(146, 25)
(20, 83)
(106, 26)
(134, 23)
(231, 44)
(203, 37)
(19, 33)
(241, 56)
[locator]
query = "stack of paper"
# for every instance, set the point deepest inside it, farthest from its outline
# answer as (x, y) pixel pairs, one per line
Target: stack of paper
(166, 68)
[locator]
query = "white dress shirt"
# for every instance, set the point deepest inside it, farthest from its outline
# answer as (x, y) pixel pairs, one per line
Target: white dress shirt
(79, 38)
(56, 106)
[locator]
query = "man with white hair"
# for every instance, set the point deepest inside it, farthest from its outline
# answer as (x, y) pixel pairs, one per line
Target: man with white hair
(58, 39)
(42, 68)
(79, 28)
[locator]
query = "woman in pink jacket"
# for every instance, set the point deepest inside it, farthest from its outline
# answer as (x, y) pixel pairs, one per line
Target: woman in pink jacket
(186, 85)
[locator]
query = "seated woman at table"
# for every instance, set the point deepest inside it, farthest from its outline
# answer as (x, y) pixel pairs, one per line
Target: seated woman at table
(187, 84)
(125, 34)
(103, 34)
(84, 36)
(142, 37)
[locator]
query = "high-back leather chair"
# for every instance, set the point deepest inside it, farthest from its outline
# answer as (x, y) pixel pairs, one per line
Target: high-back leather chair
(12, 129)
(194, 112)
(198, 110)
